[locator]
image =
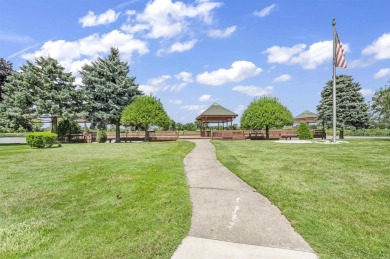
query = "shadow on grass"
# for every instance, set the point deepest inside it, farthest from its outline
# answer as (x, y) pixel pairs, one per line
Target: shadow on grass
(13, 144)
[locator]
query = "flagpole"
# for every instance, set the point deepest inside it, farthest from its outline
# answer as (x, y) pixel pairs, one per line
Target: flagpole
(334, 80)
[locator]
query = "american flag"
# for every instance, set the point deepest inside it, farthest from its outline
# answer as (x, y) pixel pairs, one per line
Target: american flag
(340, 53)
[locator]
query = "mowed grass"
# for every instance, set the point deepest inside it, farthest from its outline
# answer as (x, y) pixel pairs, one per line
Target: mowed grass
(336, 196)
(93, 200)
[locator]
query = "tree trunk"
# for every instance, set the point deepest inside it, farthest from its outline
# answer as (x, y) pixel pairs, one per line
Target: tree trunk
(54, 124)
(267, 132)
(342, 133)
(117, 132)
(146, 135)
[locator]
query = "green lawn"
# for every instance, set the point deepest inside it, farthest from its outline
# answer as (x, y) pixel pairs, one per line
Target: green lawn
(62, 202)
(336, 196)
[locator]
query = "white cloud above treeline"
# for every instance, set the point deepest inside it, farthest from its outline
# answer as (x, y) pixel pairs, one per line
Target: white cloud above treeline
(309, 58)
(91, 19)
(253, 90)
(380, 48)
(283, 78)
(240, 70)
(167, 83)
(205, 98)
(178, 47)
(265, 11)
(382, 73)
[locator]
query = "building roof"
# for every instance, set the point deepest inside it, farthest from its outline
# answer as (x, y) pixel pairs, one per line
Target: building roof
(306, 114)
(217, 110)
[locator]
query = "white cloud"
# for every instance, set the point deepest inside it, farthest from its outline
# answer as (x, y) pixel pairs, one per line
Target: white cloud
(178, 47)
(15, 38)
(239, 71)
(205, 98)
(265, 11)
(240, 109)
(178, 102)
(91, 19)
(90, 47)
(186, 77)
(194, 107)
(222, 33)
(134, 28)
(166, 19)
(379, 48)
(282, 78)
(382, 73)
(253, 90)
(367, 92)
(310, 58)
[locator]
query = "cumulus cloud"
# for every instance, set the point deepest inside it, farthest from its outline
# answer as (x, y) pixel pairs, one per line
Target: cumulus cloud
(382, 73)
(166, 83)
(265, 11)
(72, 53)
(282, 78)
(205, 98)
(198, 108)
(380, 48)
(91, 19)
(178, 102)
(178, 47)
(240, 70)
(165, 19)
(367, 92)
(222, 33)
(310, 58)
(253, 90)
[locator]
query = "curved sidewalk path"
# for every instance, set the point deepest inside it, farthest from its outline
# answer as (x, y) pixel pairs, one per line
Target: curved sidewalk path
(230, 219)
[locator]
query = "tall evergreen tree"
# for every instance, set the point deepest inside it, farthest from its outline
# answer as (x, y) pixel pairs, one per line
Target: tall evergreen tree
(351, 110)
(108, 90)
(5, 71)
(41, 89)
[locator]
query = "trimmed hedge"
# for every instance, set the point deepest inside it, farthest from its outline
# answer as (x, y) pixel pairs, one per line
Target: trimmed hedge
(41, 139)
(304, 131)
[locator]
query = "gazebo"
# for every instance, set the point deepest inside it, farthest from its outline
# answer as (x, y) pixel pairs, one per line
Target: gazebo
(216, 114)
(306, 116)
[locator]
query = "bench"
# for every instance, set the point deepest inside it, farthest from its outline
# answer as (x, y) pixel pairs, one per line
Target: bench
(290, 135)
(319, 134)
(256, 136)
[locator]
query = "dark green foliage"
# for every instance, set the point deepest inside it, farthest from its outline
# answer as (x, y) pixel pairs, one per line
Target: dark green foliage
(381, 106)
(66, 128)
(145, 111)
(266, 113)
(5, 71)
(108, 90)
(351, 110)
(304, 131)
(101, 136)
(41, 139)
(40, 89)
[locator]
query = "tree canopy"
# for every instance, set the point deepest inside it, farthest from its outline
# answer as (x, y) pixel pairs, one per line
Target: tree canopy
(5, 71)
(40, 89)
(381, 105)
(145, 111)
(266, 113)
(108, 90)
(351, 109)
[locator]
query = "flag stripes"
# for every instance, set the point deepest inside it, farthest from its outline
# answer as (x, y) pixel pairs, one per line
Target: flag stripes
(340, 54)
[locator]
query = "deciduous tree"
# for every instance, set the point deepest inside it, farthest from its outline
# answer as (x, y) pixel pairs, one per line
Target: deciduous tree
(381, 105)
(145, 111)
(266, 113)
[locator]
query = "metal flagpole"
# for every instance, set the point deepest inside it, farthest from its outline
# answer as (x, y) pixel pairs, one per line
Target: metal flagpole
(334, 80)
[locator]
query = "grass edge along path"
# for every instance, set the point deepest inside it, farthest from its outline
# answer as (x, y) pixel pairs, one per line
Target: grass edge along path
(98, 200)
(336, 196)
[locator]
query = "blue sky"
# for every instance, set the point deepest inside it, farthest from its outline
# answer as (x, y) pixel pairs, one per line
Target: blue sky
(193, 53)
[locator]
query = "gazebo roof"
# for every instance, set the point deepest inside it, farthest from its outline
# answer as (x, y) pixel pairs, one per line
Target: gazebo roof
(217, 110)
(217, 113)
(307, 114)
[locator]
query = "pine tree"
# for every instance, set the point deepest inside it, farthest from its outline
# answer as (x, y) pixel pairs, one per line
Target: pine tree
(41, 89)
(108, 90)
(351, 110)
(5, 71)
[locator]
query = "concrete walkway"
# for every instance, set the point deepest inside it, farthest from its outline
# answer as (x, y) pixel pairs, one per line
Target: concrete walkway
(230, 219)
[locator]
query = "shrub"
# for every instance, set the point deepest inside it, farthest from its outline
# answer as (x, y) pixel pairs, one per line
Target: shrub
(66, 128)
(304, 131)
(41, 139)
(101, 136)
